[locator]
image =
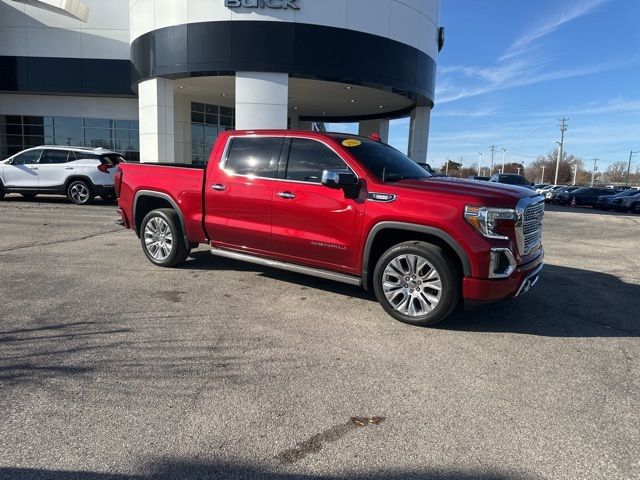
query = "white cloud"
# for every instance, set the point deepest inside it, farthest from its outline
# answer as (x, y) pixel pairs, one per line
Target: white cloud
(577, 10)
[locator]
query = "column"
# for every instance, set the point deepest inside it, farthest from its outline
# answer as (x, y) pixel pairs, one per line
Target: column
(261, 100)
(381, 127)
(419, 134)
(155, 105)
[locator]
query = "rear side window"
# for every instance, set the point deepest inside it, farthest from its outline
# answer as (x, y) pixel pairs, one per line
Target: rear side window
(52, 157)
(309, 158)
(255, 156)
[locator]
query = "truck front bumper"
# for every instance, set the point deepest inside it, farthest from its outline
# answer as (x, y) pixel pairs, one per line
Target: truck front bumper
(483, 290)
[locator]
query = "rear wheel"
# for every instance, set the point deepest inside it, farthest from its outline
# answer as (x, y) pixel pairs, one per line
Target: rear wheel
(162, 238)
(80, 192)
(417, 283)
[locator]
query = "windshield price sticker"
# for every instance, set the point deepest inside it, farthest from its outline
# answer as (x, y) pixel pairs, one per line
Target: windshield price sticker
(351, 142)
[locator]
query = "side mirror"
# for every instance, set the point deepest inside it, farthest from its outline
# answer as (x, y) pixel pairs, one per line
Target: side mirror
(339, 178)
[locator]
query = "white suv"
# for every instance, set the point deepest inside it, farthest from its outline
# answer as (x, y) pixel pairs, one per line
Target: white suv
(79, 173)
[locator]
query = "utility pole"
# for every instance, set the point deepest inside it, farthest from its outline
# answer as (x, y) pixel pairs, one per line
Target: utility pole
(479, 163)
(575, 173)
(563, 128)
(518, 170)
(504, 153)
(493, 151)
(446, 168)
(631, 154)
(542, 179)
(593, 173)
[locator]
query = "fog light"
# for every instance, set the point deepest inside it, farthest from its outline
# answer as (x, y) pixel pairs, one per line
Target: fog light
(502, 263)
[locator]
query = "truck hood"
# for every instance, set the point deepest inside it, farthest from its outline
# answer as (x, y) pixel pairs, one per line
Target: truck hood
(480, 192)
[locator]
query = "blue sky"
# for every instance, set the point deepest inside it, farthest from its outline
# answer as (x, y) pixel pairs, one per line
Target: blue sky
(509, 69)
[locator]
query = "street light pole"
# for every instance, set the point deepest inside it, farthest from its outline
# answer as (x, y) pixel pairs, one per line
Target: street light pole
(479, 163)
(593, 173)
(631, 154)
(542, 179)
(575, 173)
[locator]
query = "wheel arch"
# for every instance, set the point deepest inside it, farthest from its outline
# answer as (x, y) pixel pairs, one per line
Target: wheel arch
(73, 178)
(386, 234)
(147, 200)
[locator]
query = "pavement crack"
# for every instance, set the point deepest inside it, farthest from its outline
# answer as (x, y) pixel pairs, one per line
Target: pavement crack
(58, 242)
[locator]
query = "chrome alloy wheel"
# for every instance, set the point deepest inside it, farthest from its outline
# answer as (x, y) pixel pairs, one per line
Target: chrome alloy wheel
(411, 285)
(79, 192)
(158, 238)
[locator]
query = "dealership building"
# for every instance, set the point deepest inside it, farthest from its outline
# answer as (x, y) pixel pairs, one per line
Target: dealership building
(159, 79)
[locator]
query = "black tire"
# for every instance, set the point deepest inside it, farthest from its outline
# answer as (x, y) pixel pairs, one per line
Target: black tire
(178, 251)
(80, 192)
(29, 195)
(447, 270)
(635, 208)
(2, 192)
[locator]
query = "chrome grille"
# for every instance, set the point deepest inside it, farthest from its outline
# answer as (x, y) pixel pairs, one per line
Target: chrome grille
(532, 225)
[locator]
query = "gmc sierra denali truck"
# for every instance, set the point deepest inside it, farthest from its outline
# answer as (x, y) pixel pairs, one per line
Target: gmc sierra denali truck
(345, 208)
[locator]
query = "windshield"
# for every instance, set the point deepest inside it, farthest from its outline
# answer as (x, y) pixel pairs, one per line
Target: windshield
(514, 180)
(383, 161)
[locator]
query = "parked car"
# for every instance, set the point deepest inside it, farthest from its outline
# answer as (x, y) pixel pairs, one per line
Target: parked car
(433, 172)
(478, 177)
(546, 191)
(538, 187)
(79, 173)
(587, 196)
(605, 202)
(628, 203)
(551, 196)
(511, 179)
(344, 208)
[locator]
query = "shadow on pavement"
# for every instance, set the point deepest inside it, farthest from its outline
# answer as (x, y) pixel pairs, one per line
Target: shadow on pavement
(189, 470)
(54, 200)
(567, 302)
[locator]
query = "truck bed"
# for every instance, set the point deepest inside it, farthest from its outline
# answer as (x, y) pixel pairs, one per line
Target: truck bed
(181, 183)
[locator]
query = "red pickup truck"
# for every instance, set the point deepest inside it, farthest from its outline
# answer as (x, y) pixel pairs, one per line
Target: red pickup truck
(345, 208)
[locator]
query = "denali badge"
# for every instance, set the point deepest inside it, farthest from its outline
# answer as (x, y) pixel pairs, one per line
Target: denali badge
(278, 4)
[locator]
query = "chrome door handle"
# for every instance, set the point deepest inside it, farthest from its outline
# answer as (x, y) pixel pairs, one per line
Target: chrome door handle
(218, 187)
(286, 195)
(68, 168)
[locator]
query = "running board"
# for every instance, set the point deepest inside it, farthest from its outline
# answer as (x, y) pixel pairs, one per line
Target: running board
(290, 267)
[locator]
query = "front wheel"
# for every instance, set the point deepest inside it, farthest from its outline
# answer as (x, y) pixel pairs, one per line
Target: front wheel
(79, 192)
(161, 238)
(417, 283)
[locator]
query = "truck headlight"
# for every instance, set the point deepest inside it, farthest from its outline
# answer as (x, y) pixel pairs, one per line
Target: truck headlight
(486, 219)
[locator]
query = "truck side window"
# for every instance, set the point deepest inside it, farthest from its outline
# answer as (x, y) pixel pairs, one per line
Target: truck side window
(309, 158)
(257, 156)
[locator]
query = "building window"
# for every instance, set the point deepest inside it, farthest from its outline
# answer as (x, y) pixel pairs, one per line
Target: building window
(207, 121)
(19, 132)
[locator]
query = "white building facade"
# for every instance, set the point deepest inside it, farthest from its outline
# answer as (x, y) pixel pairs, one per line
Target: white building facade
(159, 79)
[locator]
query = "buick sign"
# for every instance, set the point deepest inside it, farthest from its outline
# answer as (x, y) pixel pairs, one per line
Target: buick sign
(277, 4)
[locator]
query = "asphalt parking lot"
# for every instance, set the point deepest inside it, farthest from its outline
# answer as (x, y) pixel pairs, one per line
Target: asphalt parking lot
(112, 369)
